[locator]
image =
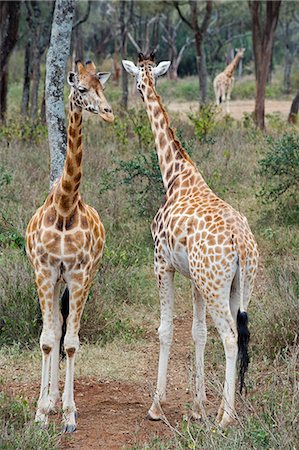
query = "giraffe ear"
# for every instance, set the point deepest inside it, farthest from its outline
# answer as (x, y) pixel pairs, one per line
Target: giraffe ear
(130, 67)
(161, 68)
(71, 78)
(103, 77)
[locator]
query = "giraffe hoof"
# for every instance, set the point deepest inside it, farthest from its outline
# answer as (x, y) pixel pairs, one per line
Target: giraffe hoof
(69, 428)
(152, 417)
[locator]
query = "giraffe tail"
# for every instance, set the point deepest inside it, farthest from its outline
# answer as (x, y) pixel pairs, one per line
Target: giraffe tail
(65, 312)
(243, 331)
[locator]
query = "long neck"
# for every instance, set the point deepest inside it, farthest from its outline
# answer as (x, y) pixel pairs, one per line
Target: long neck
(232, 66)
(173, 160)
(67, 193)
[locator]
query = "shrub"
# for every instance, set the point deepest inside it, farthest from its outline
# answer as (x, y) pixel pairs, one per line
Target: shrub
(282, 320)
(204, 122)
(280, 170)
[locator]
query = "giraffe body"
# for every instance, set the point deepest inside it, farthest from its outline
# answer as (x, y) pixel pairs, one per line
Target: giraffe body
(224, 81)
(205, 239)
(64, 242)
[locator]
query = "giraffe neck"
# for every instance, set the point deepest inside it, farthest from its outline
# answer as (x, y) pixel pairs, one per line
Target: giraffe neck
(232, 66)
(67, 193)
(172, 157)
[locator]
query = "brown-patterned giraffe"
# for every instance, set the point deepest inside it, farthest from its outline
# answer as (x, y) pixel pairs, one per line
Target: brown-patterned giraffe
(206, 240)
(224, 82)
(65, 240)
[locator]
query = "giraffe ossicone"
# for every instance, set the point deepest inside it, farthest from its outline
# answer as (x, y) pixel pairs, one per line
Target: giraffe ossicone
(205, 239)
(64, 242)
(224, 82)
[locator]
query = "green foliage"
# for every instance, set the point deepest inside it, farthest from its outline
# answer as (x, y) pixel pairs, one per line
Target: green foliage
(142, 177)
(5, 177)
(280, 171)
(10, 236)
(283, 320)
(20, 317)
(25, 130)
(17, 427)
(204, 122)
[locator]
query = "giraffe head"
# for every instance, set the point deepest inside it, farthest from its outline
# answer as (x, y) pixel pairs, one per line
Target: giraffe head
(87, 90)
(240, 52)
(146, 72)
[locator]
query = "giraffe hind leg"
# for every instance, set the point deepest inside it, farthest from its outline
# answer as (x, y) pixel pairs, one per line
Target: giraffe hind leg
(227, 329)
(199, 334)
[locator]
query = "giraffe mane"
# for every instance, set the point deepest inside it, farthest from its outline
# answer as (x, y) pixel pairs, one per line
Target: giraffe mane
(172, 133)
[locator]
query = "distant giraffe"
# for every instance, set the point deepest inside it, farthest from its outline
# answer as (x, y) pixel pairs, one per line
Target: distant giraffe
(65, 240)
(206, 240)
(224, 82)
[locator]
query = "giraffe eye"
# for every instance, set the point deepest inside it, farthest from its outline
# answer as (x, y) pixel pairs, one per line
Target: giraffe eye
(82, 89)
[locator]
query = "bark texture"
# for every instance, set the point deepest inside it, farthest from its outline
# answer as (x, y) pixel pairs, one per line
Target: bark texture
(56, 67)
(262, 38)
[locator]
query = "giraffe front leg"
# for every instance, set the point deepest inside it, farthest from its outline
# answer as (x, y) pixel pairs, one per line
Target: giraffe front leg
(47, 342)
(54, 396)
(165, 283)
(77, 301)
(199, 334)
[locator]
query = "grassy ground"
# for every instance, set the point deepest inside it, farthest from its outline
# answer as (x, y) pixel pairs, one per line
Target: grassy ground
(122, 181)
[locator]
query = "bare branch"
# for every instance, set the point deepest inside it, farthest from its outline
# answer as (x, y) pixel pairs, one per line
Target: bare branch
(177, 7)
(85, 17)
(134, 42)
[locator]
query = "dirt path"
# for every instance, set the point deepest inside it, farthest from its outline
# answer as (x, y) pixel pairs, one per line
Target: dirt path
(112, 414)
(237, 107)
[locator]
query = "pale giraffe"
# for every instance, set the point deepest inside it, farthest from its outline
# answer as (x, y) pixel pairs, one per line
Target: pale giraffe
(224, 82)
(65, 240)
(206, 240)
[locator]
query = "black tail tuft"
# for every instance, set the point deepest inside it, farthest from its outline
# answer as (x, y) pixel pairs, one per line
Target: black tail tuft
(65, 312)
(243, 342)
(220, 99)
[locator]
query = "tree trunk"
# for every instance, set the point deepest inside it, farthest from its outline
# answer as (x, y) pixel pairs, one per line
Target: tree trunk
(9, 24)
(56, 67)
(123, 49)
(262, 39)
(26, 81)
(293, 116)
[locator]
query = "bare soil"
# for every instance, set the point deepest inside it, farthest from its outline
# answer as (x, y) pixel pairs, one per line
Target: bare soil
(112, 414)
(237, 107)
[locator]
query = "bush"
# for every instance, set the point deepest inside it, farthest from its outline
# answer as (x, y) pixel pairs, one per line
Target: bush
(280, 171)
(282, 320)
(204, 122)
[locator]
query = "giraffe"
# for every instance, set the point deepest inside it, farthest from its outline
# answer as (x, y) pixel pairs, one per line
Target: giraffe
(206, 240)
(64, 242)
(224, 82)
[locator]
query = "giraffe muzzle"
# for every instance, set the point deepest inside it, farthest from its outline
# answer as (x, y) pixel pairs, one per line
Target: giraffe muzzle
(107, 114)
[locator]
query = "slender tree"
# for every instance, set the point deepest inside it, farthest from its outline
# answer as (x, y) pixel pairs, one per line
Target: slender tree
(58, 53)
(199, 31)
(263, 32)
(123, 51)
(293, 115)
(9, 23)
